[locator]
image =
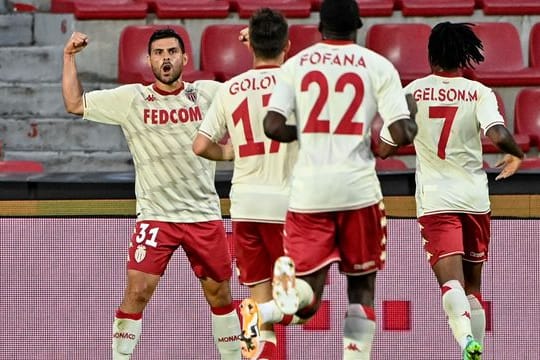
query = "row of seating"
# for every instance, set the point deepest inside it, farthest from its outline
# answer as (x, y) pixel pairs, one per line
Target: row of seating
(396, 164)
(405, 45)
(168, 9)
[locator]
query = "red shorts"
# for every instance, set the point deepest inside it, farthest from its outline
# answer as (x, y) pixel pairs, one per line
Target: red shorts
(356, 238)
(257, 247)
(205, 244)
(456, 233)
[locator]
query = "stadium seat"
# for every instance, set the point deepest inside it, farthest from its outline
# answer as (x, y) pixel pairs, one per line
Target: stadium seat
(405, 45)
(389, 164)
(534, 46)
(101, 9)
(368, 8)
(509, 7)
(302, 36)
(289, 8)
(503, 65)
(133, 51)
(436, 7)
(530, 163)
(21, 166)
(186, 9)
(221, 52)
(527, 114)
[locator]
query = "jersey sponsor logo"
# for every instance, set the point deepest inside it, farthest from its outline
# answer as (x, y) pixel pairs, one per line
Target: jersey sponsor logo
(124, 335)
(441, 95)
(317, 58)
(150, 98)
(254, 83)
(227, 339)
(175, 116)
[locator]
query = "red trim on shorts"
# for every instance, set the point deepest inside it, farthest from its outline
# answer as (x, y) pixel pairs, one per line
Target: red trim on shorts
(445, 289)
(122, 315)
(370, 312)
(222, 310)
(287, 319)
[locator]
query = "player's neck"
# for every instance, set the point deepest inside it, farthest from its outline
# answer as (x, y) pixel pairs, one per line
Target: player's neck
(168, 89)
(267, 63)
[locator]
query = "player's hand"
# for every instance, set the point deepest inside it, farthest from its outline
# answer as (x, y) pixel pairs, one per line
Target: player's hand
(510, 164)
(76, 43)
(244, 36)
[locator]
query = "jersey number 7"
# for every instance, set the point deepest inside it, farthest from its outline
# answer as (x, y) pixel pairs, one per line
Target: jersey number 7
(448, 113)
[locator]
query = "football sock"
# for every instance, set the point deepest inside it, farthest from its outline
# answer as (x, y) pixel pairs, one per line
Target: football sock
(358, 332)
(126, 333)
(457, 308)
(478, 317)
(226, 332)
(271, 314)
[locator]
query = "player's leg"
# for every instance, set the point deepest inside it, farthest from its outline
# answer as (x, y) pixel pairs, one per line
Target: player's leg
(257, 245)
(362, 244)
(149, 251)
(359, 327)
(207, 249)
(443, 241)
(476, 243)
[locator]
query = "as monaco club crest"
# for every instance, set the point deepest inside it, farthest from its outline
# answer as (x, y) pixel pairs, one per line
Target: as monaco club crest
(191, 94)
(140, 253)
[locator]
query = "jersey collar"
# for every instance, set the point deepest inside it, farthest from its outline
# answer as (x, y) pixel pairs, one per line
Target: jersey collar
(165, 93)
(449, 74)
(266, 67)
(337, 42)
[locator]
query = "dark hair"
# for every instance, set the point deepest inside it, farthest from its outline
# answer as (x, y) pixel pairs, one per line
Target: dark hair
(268, 33)
(340, 17)
(454, 45)
(164, 34)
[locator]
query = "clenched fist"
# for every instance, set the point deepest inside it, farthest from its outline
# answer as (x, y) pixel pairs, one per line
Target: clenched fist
(76, 43)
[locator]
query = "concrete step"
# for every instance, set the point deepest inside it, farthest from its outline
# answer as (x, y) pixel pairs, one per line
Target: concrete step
(16, 29)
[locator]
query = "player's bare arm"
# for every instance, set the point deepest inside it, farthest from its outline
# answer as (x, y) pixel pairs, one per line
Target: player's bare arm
(276, 129)
(502, 138)
(71, 86)
(205, 147)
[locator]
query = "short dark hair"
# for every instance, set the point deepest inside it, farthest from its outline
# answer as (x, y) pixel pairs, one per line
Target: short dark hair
(454, 45)
(164, 34)
(268, 33)
(340, 16)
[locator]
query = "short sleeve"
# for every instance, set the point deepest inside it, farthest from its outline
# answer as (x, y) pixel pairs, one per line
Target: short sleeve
(214, 125)
(487, 112)
(108, 106)
(283, 98)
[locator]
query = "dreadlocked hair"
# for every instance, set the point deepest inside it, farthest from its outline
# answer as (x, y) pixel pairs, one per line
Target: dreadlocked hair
(454, 45)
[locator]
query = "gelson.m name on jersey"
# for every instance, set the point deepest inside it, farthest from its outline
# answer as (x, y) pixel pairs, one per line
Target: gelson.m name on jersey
(444, 94)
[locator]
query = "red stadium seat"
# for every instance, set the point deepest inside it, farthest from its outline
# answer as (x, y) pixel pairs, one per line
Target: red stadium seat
(20, 166)
(436, 7)
(389, 164)
(289, 8)
(405, 45)
(534, 46)
(133, 52)
(101, 9)
(367, 8)
(527, 114)
(530, 163)
(186, 9)
(503, 65)
(221, 52)
(509, 7)
(302, 36)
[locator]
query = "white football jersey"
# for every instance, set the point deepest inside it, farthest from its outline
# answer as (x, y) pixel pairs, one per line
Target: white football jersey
(334, 89)
(171, 183)
(451, 112)
(262, 167)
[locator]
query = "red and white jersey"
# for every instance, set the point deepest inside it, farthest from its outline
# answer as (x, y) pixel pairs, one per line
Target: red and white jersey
(451, 112)
(335, 88)
(262, 167)
(171, 183)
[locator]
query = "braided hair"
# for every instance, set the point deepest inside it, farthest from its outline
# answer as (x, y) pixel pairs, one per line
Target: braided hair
(454, 45)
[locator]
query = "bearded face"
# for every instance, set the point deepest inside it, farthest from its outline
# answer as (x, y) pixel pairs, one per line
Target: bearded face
(167, 60)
